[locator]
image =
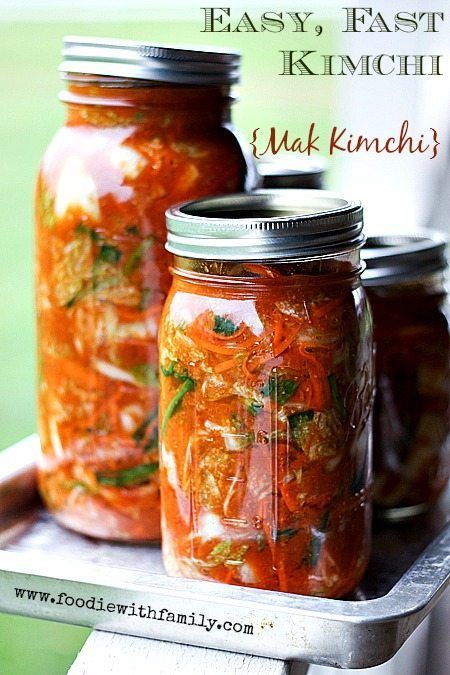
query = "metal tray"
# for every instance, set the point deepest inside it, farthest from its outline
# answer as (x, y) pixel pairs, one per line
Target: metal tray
(50, 573)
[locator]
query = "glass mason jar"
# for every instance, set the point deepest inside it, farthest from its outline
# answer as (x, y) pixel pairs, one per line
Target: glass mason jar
(145, 127)
(405, 284)
(266, 393)
(284, 171)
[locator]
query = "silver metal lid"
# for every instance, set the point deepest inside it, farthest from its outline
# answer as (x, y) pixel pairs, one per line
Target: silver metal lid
(265, 225)
(289, 172)
(149, 61)
(391, 259)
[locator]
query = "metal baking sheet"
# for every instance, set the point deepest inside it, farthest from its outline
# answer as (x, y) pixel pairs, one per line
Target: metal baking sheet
(48, 572)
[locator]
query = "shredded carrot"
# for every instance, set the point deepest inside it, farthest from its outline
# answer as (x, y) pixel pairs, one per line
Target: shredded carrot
(326, 308)
(278, 331)
(127, 313)
(317, 378)
(245, 367)
(260, 360)
(206, 343)
(224, 366)
(211, 347)
(284, 344)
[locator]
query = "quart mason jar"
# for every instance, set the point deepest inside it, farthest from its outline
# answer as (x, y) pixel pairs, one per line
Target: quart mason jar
(266, 393)
(146, 127)
(405, 284)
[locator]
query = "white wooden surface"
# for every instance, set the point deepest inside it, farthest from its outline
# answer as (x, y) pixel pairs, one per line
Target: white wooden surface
(114, 654)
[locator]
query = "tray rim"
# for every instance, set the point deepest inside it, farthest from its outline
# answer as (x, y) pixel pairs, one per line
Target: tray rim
(351, 611)
(392, 617)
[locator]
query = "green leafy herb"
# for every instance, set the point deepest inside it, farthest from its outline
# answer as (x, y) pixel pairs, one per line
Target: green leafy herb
(298, 422)
(100, 283)
(299, 425)
(171, 371)
(140, 432)
(324, 520)
(280, 390)
(136, 475)
(336, 396)
(136, 256)
(145, 299)
(89, 232)
(300, 418)
(315, 544)
(79, 295)
(223, 553)
(168, 372)
(224, 326)
(109, 254)
(254, 407)
(133, 230)
(97, 284)
(286, 534)
(237, 422)
(152, 441)
(188, 385)
(144, 374)
(261, 540)
(313, 554)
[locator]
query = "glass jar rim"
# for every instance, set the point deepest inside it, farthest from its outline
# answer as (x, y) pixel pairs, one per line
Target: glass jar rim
(266, 225)
(282, 171)
(393, 259)
(249, 285)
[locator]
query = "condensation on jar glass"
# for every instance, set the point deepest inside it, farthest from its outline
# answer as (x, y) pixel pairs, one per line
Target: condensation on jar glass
(146, 127)
(405, 284)
(266, 394)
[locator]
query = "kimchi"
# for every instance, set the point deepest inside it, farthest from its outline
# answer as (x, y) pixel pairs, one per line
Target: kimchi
(266, 392)
(406, 289)
(131, 146)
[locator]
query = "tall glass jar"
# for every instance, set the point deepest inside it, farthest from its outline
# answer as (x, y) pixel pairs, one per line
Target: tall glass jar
(266, 394)
(146, 127)
(405, 284)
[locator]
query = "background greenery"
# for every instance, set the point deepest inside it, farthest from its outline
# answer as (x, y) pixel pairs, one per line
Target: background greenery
(29, 55)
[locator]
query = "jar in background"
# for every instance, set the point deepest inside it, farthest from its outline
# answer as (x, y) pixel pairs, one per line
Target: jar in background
(146, 127)
(405, 283)
(284, 171)
(266, 393)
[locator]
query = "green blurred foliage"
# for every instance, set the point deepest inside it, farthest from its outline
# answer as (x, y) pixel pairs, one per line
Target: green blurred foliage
(31, 647)
(29, 55)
